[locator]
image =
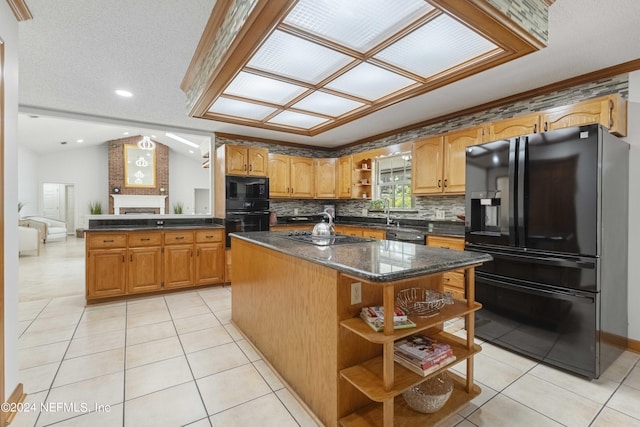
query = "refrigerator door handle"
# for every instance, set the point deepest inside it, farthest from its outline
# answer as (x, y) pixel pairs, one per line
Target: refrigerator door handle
(513, 144)
(494, 281)
(553, 261)
(521, 190)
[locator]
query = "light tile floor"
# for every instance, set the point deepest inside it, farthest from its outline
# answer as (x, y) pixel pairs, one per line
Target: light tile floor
(176, 360)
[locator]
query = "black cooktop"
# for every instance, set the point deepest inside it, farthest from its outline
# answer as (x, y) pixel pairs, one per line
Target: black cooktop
(337, 239)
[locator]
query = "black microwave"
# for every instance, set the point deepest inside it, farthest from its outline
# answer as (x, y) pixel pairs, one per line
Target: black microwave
(247, 188)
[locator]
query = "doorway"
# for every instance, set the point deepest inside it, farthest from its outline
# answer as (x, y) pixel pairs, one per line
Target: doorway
(201, 205)
(58, 202)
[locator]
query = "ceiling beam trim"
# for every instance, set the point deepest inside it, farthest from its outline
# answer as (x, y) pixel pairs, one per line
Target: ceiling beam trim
(20, 9)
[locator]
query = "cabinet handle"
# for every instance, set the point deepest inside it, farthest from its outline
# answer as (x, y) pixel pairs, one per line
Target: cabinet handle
(610, 114)
(250, 168)
(191, 253)
(122, 258)
(131, 258)
(144, 239)
(179, 237)
(107, 241)
(288, 190)
(546, 126)
(535, 128)
(439, 183)
(198, 251)
(208, 237)
(244, 167)
(445, 183)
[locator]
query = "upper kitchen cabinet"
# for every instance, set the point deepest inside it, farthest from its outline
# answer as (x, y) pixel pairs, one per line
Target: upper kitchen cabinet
(326, 178)
(610, 111)
(290, 176)
(251, 161)
(440, 162)
(426, 177)
(455, 152)
(344, 177)
(516, 126)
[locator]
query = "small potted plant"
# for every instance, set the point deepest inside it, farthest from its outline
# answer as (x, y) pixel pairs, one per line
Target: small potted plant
(95, 208)
(178, 207)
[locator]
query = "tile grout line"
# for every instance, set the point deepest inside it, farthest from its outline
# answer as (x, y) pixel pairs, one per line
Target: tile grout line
(195, 382)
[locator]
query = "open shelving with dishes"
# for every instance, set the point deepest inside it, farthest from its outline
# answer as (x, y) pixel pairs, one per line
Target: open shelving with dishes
(382, 381)
(363, 179)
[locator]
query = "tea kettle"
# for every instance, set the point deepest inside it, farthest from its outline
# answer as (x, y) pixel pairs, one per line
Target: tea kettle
(323, 228)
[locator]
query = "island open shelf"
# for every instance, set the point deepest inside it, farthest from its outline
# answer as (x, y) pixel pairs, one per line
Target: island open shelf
(367, 376)
(372, 415)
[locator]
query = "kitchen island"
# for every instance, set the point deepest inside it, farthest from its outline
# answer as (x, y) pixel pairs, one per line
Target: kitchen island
(298, 303)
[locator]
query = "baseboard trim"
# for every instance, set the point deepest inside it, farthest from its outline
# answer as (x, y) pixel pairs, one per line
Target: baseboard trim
(633, 345)
(18, 396)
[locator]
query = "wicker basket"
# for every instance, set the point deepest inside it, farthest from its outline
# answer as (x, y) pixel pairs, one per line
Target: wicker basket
(430, 395)
(423, 302)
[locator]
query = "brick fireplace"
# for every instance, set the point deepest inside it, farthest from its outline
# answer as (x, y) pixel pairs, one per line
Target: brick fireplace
(117, 177)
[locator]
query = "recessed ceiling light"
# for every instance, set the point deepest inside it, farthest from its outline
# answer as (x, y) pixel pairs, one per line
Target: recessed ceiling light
(124, 93)
(80, 141)
(125, 133)
(190, 151)
(153, 136)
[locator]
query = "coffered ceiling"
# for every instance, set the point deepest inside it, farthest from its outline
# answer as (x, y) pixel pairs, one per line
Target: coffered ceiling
(74, 54)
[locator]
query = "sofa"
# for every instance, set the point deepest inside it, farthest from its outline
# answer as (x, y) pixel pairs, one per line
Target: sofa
(28, 240)
(49, 229)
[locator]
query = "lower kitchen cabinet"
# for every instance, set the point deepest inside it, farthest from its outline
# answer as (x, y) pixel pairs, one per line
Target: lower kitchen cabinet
(453, 281)
(136, 262)
(106, 272)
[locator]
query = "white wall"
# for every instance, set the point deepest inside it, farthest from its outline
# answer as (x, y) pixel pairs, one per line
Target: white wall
(28, 181)
(87, 169)
(9, 35)
(633, 138)
(185, 175)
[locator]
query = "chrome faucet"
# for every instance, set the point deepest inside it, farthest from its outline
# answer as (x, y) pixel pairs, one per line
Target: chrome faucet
(387, 211)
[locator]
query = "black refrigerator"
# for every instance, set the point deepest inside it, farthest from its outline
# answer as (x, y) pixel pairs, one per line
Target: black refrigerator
(552, 210)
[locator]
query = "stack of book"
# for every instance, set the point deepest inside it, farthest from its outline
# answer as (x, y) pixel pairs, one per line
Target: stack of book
(374, 317)
(422, 354)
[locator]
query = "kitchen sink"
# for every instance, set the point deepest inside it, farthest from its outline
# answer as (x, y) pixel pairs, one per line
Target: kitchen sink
(406, 235)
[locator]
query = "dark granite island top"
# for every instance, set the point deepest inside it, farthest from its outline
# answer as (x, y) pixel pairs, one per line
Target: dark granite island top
(372, 260)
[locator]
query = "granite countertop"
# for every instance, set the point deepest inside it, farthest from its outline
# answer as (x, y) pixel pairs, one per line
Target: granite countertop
(439, 228)
(372, 260)
(110, 228)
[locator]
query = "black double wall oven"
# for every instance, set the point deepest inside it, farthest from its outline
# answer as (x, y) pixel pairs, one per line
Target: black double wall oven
(551, 208)
(247, 204)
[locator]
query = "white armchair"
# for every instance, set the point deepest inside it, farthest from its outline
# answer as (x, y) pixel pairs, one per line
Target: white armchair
(28, 240)
(49, 228)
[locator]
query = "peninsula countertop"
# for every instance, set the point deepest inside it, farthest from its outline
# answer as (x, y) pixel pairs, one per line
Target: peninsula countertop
(373, 260)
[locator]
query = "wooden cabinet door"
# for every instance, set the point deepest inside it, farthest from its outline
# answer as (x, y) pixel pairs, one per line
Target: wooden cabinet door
(210, 263)
(455, 149)
(145, 269)
(348, 230)
(508, 128)
(426, 174)
(106, 272)
(258, 159)
(236, 160)
(344, 177)
(609, 111)
(178, 266)
(374, 234)
(279, 176)
(326, 178)
(453, 281)
(302, 178)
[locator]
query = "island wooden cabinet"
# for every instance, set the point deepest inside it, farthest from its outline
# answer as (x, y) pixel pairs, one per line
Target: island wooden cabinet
(178, 259)
(210, 257)
(453, 281)
(240, 160)
(106, 268)
(326, 178)
(145, 262)
(136, 262)
(290, 176)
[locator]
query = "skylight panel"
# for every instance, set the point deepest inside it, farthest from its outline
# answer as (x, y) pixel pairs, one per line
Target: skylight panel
(251, 86)
(233, 107)
(327, 104)
(299, 120)
(369, 82)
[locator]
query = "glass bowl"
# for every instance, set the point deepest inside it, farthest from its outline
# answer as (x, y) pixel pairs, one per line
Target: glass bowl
(430, 395)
